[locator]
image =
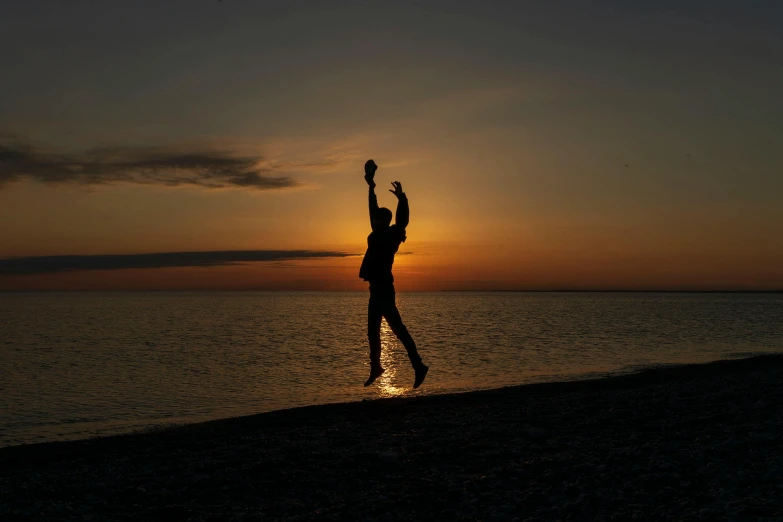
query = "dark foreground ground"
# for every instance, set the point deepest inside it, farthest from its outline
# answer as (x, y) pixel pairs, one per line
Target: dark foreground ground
(687, 443)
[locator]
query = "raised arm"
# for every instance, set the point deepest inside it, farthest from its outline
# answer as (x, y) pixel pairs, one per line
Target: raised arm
(373, 205)
(369, 173)
(403, 212)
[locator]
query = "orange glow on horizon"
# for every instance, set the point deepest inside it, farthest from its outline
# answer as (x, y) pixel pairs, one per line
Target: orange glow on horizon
(449, 268)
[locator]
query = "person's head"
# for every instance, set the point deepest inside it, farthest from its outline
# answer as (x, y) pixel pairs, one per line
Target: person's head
(382, 218)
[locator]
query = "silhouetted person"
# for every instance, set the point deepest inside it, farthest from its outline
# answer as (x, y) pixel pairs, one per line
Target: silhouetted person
(382, 244)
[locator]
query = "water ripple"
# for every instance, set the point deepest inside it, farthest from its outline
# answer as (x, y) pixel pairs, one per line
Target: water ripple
(81, 364)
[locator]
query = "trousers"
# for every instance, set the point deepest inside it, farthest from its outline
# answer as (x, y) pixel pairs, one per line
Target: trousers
(383, 305)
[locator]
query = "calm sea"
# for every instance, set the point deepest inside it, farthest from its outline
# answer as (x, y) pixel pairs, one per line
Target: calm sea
(75, 365)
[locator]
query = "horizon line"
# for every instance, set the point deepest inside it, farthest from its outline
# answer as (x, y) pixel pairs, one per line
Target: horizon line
(539, 291)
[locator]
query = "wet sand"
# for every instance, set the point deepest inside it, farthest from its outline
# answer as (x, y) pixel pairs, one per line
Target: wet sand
(697, 442)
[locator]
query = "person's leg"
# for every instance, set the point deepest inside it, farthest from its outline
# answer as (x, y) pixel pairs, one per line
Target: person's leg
(392, 316)
(374, 315)
(394, 320)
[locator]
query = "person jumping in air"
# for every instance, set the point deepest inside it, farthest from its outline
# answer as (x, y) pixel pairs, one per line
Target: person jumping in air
(382, 244)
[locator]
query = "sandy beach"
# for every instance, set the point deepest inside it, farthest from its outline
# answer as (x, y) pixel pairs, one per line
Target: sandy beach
(696, 442)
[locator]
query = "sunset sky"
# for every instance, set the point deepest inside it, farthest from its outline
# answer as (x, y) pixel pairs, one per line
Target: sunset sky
(542, 145)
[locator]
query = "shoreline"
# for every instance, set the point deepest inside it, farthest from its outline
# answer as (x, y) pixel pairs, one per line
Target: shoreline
(543, 451)
(587, 378)
(591, 377)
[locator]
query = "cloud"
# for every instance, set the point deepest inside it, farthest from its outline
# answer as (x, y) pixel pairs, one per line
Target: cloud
(329, 163)
(52, 264)
(166, 166)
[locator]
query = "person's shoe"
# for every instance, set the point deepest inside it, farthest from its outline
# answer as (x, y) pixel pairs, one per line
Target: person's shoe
(374, 374)
(421, 373)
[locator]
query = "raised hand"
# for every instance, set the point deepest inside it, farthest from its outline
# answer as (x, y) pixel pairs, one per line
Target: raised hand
(397, 189)
(369, 172)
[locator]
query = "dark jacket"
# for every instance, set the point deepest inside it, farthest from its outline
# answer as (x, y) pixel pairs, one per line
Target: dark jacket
(383, 243)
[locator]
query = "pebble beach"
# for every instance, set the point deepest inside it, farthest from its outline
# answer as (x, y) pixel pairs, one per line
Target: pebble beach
(691, 442)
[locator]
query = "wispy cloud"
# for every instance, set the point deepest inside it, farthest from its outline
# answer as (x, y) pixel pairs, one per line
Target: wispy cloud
(165, 166)
(52, 264)
(328, 163)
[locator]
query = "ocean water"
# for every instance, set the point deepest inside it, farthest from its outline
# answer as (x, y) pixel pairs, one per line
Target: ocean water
(76, 365)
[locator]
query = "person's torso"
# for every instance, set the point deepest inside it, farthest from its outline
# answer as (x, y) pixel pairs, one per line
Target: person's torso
(379, 258)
